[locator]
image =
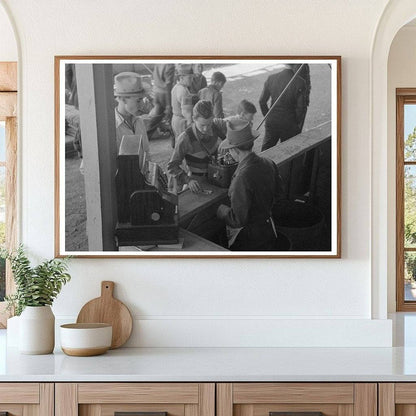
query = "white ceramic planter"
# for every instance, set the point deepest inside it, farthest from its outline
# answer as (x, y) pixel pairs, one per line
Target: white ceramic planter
(37, 330)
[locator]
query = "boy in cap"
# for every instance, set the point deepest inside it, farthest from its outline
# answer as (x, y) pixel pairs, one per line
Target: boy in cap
(213, 93)
(182, 100)
(129, 92)
(255, 186)
(196, 145)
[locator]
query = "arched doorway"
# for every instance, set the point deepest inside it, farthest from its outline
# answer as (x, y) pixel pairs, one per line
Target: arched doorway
(396, 14)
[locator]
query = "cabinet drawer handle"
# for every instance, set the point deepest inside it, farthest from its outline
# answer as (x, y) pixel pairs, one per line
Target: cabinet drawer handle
(138, 414)
(296, 414)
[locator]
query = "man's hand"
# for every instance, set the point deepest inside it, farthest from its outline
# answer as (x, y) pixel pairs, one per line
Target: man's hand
(194, 186)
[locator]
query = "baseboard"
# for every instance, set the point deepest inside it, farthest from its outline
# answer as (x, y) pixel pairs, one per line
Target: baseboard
(248, 332)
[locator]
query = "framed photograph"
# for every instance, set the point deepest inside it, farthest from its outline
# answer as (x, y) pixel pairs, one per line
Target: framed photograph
(197, 156)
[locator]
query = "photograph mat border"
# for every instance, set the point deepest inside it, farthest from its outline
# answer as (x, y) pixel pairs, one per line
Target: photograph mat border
(335, 61)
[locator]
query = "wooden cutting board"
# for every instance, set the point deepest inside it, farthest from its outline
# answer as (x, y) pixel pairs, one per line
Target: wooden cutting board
(107, 309)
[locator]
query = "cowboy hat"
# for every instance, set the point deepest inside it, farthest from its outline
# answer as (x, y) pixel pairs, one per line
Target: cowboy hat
(239, 133)
(128, 84)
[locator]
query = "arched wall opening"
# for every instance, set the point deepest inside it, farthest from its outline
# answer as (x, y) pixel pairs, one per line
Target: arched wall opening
(396, 15)
(401, 73)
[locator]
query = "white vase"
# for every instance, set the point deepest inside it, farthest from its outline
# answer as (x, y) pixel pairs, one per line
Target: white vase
(37, 330)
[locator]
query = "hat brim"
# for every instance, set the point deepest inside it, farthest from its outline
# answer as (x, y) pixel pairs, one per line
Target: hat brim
(141, 94)
(147, 88)
(227, 145)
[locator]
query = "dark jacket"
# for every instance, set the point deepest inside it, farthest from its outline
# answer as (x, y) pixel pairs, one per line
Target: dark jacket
(255, 186)
(292, 104)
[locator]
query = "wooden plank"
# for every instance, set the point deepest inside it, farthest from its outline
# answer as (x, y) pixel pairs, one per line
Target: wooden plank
(406, 91)
(298, 145)
(224, 399)
(405, 410)
(31, 410)
(8, 76)
(386, 400)
(27, 393)
(207, 399)
(293, 393)
(8, 105)
(66, 399)
(365, 403)
(47, 399)
(138, 393)
(11, 195)
(190, 410)
(345, 410)
(405, 393)
(11, 210)
(399, 204)
(91, 410)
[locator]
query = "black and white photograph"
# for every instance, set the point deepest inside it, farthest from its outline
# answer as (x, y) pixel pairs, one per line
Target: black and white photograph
(197, 156)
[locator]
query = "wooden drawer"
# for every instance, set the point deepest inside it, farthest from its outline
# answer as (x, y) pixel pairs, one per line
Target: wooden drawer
(332, 399)
(104, 399)
(27, 399)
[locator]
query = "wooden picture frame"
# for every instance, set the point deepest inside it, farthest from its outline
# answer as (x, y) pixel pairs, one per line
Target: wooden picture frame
(97, 185)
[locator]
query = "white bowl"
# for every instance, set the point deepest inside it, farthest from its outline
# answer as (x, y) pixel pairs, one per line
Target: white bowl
(83, 340)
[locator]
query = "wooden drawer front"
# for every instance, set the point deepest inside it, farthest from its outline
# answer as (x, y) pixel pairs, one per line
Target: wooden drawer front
(293, 393)
(104, 399)
(332, 399)
(405, 393)
(27, 393)
(27, 399)
(138, 393)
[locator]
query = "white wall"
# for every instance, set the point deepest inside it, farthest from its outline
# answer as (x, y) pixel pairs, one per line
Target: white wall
(8, 47)
(401, 74)
(179, 302)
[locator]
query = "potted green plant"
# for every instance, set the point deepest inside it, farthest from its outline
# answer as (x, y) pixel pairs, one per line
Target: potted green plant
(36, 289)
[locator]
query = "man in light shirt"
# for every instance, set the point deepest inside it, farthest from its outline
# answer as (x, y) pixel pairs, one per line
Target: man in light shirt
(129, 92)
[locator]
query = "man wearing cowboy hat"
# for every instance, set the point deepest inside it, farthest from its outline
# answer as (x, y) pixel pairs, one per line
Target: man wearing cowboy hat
(255, 186)
(182, 103)
(129, 92)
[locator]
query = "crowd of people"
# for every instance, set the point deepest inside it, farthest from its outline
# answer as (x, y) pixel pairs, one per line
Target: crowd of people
(185, 108)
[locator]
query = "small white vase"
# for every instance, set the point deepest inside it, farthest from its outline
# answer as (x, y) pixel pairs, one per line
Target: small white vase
(37, 330)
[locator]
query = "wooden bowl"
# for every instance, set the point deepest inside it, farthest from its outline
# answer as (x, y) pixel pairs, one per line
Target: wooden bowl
(84, 340)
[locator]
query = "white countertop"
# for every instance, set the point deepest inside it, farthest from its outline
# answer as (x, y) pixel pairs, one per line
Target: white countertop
(213, 364)
(222, 364)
